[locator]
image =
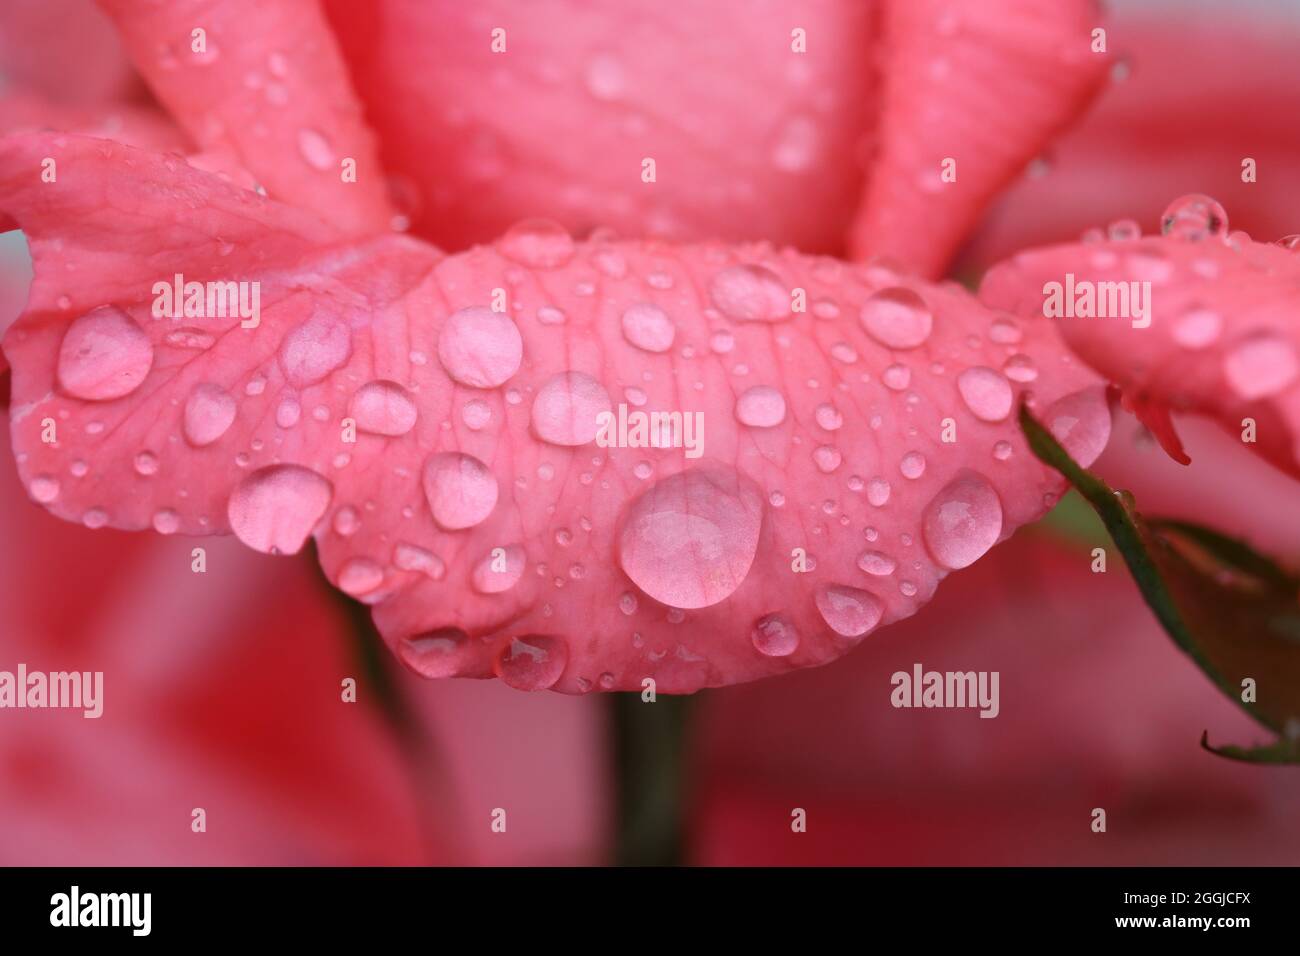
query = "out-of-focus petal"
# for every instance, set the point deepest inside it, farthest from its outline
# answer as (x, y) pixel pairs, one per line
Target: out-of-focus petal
(1208, 326)
(972, 92)
(1097, 709)
(264, 81)
(222, 690)
(750, 139)
(85, 68)
(1198, 90)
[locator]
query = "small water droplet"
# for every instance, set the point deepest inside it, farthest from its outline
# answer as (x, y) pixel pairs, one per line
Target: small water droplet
(878, 491)
(828, 417)
(827, 458)
(750, 293)
(480, 348)
(986, 393)
(849, 612)
(476, 413)
(146, 464)
(1005, 332)
(44, 488)
(537, 244)
(774, 636)
(190, 339)
(437, 654)
(1195, 218)
(1020, 368)
(383, 408)
(897, 377)
(760, 407)
(209, 413)
(534, 662)
(166, 521)
(568, 408)
(274, 509)
(962, 521)
(461, 490)
(648, 327)
(315, 149)
(288, 413)
(877, 563)
(897, 318)
(1260, 366)
(913, 465)
(314, 349)
(346, 521)
(359, 576)
(410, 557)
(1124, 230)
(104, 355)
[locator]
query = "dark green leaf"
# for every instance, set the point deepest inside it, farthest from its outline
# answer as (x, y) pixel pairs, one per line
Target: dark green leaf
(1235, 612)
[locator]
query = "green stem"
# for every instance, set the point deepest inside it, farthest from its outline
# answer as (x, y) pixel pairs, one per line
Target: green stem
(649, 741)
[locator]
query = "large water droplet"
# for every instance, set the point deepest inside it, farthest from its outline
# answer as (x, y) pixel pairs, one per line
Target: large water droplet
(534, 662)
(499, 570)
(760, 407)
(383, 408)
(209, 412)
(1194, 217)
(104, 355)
(648, 327)
(750, 293)
(460, 489)
(568, 407)
(962, 521)
(274, 509)
(480, 348)
(774, 636)
(986, 393)
(537, 243)
(689, 540)
(1260, 366)
(1081, 423)
(849, 612)
(897, 318)
(314, 349)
